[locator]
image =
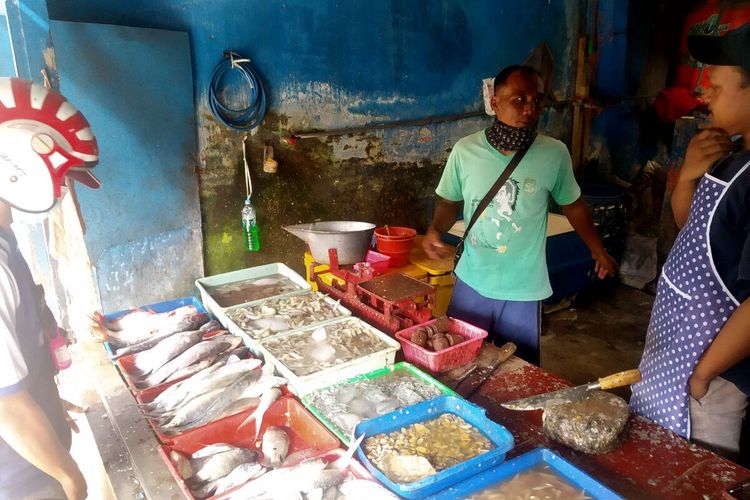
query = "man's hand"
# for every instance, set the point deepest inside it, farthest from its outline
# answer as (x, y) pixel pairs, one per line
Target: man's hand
(698, 386)
(69, 408)
(604, 264)
(433, 247)
(704, 150)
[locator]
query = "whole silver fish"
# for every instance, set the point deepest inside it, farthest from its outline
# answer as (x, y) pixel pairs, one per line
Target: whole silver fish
(210, 408)
(266, 400)
(286, 482)
(219, 465)
(191, 370)
(275, 446)
(180, 320)
(151, 341)
(189, 412)
(152, 359)
(212, 449)
(194, 354)
(238, 406)
(211, 378)
(240, 475)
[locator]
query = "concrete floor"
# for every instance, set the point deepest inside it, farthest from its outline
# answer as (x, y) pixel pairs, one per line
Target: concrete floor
(600, 334)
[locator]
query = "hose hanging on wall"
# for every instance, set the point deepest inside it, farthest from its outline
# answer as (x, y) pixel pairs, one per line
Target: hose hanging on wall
(239, 119)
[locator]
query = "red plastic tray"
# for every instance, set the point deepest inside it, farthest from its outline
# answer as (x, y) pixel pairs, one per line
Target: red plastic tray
(442, 361)
(303, 428)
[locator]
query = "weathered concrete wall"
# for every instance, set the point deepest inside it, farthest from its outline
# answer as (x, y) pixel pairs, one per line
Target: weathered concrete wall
(331, 64)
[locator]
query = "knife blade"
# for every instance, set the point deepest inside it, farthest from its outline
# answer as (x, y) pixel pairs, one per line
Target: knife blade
(574, 393)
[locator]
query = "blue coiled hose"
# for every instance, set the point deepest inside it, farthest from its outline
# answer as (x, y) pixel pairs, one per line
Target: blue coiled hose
(238, 119)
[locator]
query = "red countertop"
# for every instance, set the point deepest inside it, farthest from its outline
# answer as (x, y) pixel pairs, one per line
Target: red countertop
(651, 463)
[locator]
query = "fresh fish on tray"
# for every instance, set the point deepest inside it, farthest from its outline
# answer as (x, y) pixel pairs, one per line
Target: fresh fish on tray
(150, 342)
(207, 407)
(310, 351)
(207, 349)
(278, 315)
(214, 377)
(152, 359)
(208, 469)
(275, 446)
(239, 292)
(139, 325)
(314, 478)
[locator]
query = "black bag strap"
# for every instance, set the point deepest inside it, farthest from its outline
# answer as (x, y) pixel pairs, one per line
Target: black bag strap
(495, 188)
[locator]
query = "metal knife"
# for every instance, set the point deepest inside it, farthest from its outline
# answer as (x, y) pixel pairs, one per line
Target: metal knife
(574, 393)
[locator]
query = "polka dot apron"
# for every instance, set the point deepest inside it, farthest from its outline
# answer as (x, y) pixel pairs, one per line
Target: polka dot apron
(692, 304)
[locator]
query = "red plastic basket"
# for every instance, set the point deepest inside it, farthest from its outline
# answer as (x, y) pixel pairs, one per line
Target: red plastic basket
(442, 361)
(305, 432)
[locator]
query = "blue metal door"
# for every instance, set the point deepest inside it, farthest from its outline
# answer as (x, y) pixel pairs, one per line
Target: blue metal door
(143, 229)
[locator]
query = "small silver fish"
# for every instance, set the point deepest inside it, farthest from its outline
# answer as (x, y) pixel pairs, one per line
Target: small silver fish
(275, 446)
(219, 465)
(240, 475)
(266, 400)
(149, 360)
(212, 449)
(182, 464)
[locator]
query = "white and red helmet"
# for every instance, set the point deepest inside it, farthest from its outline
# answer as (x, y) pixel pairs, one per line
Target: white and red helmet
(43, 139)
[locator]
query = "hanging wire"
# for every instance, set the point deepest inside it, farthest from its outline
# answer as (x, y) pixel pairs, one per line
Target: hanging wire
(239, 119)
(248, 181)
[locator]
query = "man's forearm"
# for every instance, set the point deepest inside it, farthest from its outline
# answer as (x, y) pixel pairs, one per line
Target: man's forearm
(25, 427)
(446, 214)
(580, 218)
(730, 346)
(682, 197)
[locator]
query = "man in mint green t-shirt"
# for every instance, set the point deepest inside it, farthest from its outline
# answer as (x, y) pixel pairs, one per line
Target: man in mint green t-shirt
(502, 274)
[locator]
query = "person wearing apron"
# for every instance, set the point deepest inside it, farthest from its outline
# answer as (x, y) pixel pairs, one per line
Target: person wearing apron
(696, 360)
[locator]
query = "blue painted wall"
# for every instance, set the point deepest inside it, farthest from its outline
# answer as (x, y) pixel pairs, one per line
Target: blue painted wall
(331, 64)
(7, 68)
(430, 53)
(143, 224)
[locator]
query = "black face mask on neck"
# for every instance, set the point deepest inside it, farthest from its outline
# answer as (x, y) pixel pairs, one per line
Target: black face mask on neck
(503, 137)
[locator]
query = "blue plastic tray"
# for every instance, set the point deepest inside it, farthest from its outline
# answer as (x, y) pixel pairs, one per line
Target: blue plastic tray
(565, 469)
(427, 410)
(168, 305)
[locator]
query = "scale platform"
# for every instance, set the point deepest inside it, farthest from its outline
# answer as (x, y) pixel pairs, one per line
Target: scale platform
(390, 301)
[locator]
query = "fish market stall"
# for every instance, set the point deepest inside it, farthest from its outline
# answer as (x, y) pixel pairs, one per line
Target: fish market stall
(266, 387)
(651, 463)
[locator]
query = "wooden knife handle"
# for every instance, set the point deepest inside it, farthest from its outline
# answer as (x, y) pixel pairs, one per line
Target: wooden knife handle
(620, 379)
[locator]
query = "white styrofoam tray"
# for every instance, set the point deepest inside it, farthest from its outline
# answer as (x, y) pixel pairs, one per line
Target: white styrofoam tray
(253, 344)
(247, 274)
(301, 386)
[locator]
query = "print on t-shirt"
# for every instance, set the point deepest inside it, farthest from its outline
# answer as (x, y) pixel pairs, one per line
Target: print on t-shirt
(496, 226)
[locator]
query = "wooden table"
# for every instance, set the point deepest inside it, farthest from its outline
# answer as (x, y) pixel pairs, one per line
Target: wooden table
(651, 463)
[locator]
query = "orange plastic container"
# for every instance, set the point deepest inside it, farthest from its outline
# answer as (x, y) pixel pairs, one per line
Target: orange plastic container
(395, 233)
(442, 361)
(395, 242)
(304, 431)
